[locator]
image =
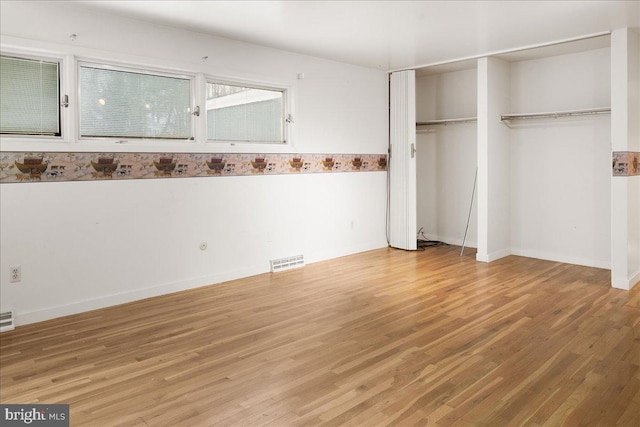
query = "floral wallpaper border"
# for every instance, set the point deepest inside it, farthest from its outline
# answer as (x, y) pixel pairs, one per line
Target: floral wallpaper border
(626, 163)
(81, 166)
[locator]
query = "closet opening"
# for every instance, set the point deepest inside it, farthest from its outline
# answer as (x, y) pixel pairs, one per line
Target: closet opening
(541, 145)
(446, 122)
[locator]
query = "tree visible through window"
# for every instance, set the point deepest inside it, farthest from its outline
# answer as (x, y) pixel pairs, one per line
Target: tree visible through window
(127, 104)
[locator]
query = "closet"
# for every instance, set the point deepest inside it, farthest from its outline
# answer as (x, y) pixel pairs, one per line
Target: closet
(446, 105)
(549, 122)
(560, 152)
(537, 126)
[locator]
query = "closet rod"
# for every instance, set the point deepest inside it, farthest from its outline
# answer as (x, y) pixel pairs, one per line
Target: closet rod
(555, 114)
(447, 121)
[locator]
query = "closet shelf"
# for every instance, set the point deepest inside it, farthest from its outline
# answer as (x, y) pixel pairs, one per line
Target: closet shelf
(555, 114)
(448, 121)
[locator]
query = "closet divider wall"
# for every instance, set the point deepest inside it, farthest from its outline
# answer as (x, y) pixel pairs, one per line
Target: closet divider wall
(493, 161)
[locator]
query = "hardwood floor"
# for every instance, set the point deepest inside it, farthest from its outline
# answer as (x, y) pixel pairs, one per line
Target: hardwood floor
(385, 337)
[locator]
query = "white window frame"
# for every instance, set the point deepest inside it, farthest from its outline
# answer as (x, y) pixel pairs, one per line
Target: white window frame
(63, 114)
(287, 109)
(69, 86)
(133, 68)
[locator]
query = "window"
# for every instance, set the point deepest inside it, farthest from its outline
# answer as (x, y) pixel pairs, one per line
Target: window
(121, 103)
(130, 102)
(30, 96)
(244, 114)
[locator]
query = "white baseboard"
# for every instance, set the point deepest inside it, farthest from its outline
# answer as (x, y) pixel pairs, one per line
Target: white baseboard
(317, 256)
(482, 257)
(626, 284)
(548, 256)
(75, 307)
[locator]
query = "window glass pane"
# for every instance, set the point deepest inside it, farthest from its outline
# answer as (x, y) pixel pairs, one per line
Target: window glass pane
(236, 113)
(124, 104)
(29, 96)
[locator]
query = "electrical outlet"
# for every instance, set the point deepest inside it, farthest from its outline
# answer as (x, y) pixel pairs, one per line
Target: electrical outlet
(15, 274)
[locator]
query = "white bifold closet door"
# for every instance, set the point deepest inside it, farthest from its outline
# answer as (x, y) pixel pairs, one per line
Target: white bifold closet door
(402, 161)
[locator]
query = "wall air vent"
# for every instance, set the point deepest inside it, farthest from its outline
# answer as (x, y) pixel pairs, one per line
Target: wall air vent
(287, 263)
(6, 321)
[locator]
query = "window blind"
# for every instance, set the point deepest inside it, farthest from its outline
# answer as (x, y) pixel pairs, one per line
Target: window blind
(237, 113)
(125, 104)
(29, 94)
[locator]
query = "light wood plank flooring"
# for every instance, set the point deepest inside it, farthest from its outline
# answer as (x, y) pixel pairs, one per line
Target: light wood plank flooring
(382, 338)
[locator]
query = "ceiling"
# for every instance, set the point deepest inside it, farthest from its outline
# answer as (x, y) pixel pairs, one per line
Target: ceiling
(386, 35)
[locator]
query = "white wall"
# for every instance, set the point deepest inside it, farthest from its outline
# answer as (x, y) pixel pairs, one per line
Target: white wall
(338, 107)
(561, 168)
(625, 136)
(84, 245)
(634, 145)
(446, 156)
